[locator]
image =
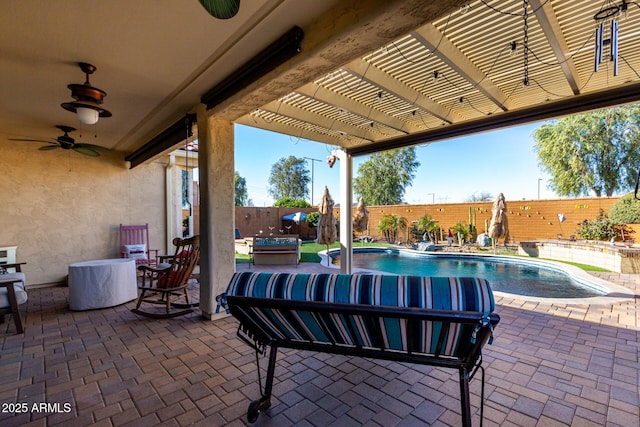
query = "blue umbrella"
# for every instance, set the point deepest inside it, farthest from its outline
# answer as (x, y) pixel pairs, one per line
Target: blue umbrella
(295, 217)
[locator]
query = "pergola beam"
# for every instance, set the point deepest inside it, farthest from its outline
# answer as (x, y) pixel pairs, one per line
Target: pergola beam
(339, 101)
(551, 28)
(385, 82)
(287, 110)
(300, 132)
(444, 49)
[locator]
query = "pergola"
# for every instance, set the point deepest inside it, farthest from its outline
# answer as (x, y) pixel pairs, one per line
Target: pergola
(361, 76)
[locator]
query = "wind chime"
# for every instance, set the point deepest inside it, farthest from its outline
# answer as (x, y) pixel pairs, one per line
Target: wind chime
(606, 20)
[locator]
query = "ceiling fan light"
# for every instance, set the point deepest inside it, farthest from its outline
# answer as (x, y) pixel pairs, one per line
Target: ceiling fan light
(87, 112)
(88, 116)
(87, 99)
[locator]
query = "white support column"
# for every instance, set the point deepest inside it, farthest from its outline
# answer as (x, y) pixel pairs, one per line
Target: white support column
(189, 176)
(171, 211)
(217, 205)
(346, 200)
(173, 181)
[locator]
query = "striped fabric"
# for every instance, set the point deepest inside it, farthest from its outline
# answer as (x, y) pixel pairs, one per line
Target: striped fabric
(377, 331)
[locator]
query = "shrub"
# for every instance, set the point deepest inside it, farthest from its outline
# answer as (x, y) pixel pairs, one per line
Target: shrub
(601, 228)
(625, 211)
(313, 219)
(289, 202)
(461, 232)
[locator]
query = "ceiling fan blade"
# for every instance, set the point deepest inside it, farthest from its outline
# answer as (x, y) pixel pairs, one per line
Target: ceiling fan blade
(221, 9)
(31, 140)
(85, 150)
(48, 147)
(93, 147)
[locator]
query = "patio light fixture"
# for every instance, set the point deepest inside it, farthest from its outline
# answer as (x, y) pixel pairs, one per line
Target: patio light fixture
(87, 99)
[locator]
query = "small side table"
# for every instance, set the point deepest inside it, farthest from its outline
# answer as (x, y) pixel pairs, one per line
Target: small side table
(102, 283)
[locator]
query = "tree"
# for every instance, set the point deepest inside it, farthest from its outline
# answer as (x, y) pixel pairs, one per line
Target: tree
(483, 196)
(288, 202)
(597, 151)
(389, 226)
(383, 178)
(242, 196)
(427, 224)
(289, 178)
(625, 211)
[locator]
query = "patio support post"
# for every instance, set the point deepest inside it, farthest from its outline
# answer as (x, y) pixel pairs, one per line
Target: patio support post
(217, 217)
(174, 203)
(346, 200)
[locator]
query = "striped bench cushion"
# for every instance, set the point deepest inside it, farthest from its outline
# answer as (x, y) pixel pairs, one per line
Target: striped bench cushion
(363, 330)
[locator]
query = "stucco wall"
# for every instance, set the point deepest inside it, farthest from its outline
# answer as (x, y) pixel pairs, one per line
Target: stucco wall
(61, 207)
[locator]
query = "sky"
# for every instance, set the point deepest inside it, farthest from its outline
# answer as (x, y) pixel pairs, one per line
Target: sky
(450, 171)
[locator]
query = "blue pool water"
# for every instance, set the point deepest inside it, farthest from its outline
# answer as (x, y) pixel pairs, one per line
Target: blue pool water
(504, 275)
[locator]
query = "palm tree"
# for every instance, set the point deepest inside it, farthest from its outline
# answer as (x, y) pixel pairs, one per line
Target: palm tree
(400, 223)
(462, 231)
(389, 226)
(386, 228)
(428, 225)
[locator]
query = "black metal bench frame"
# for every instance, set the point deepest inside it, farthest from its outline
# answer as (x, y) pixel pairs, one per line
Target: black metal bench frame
(467, 365)
(13, 308)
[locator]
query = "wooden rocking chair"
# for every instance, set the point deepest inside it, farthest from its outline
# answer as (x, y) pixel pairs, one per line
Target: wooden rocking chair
(167, 285)
(134, 243)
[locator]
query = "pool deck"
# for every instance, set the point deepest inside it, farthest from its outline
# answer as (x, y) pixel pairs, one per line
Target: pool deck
(551, 364)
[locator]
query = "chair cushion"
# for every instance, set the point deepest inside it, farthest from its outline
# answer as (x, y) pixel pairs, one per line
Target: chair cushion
(136, 251)
(21, 294)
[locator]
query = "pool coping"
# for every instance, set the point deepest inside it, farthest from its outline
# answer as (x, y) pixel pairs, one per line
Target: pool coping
(614, 293)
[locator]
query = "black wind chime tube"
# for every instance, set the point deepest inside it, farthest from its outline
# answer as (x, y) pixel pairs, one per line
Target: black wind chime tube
(614, 46)
(599, 46)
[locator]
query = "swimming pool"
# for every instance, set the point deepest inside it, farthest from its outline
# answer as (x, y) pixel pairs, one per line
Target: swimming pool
(506, 274)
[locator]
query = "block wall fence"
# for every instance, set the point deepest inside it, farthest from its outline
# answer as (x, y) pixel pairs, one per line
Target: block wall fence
(250, 220)
(528, 219)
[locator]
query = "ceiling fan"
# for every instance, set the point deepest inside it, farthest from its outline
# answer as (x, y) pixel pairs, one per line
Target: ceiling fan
(66, 143)
(221, 9)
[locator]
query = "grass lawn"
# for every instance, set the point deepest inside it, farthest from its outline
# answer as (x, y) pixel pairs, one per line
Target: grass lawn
(309, 251)
(585, 267)
(513, 252)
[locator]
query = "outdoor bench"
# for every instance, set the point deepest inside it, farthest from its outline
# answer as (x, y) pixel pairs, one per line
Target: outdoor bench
(437, 321)
(283, 249)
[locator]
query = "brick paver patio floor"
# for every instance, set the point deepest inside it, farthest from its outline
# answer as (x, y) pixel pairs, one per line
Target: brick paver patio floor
(550, 364)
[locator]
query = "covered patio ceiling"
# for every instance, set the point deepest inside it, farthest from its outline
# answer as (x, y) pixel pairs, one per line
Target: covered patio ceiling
(485, 65)
(371, 75)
